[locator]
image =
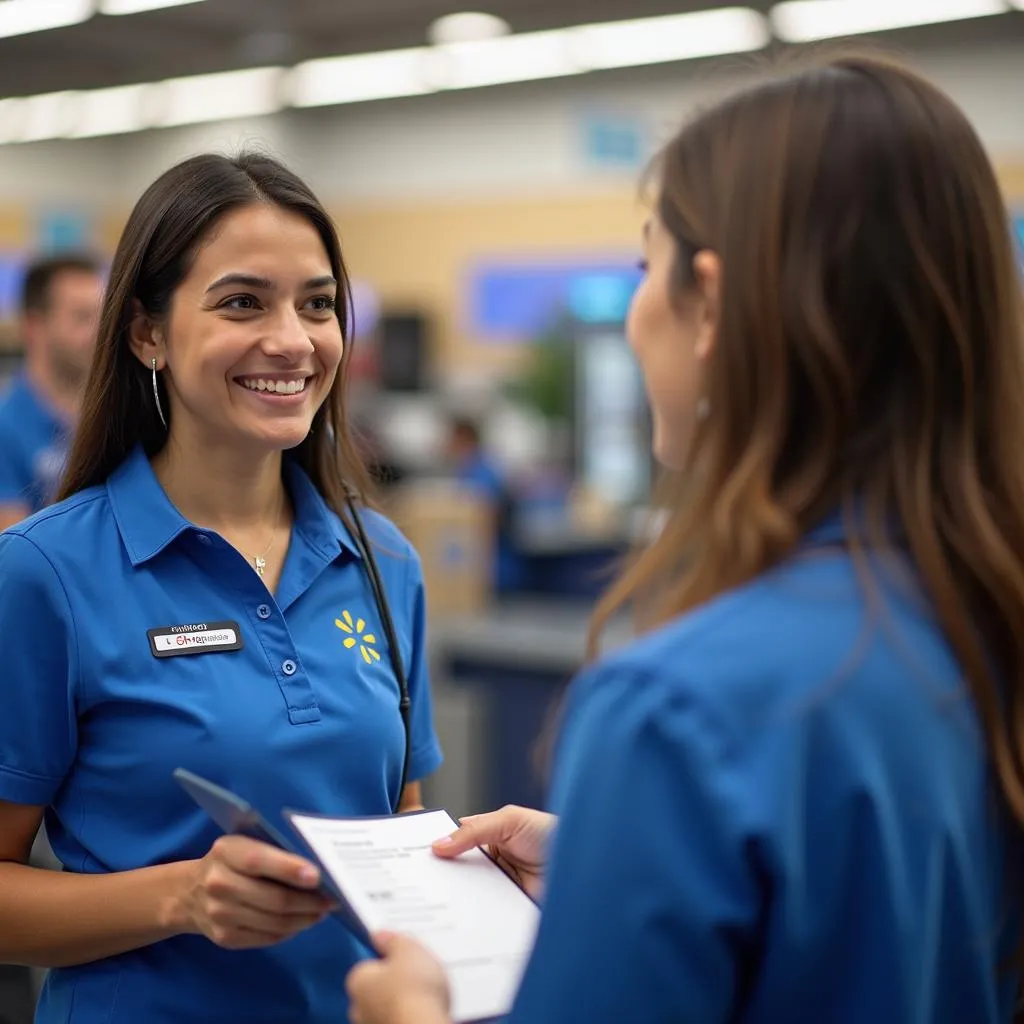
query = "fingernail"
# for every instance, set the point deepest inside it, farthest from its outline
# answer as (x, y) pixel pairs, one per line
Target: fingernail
(446, 841)
(308, 875)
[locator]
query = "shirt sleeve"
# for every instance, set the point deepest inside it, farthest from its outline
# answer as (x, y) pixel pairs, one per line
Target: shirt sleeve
(650, 903)
(38, 725)
(425, 757)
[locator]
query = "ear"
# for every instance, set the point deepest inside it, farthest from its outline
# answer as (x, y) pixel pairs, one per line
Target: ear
(146, 338)
(707, 271)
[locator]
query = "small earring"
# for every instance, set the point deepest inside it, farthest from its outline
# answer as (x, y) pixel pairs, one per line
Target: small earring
(156, 398)
(703, 409)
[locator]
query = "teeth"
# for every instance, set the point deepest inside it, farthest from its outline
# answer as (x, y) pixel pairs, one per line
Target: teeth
(280, 387)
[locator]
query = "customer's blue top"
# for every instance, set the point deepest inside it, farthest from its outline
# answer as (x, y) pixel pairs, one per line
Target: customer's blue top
(777, 810)
(33, 447)
(305, 715)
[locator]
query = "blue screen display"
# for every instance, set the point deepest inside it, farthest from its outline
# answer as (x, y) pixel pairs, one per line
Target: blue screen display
(518, 302)
(12, 274)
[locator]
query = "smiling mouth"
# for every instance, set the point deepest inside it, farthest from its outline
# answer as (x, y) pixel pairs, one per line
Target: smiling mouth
(273, 385)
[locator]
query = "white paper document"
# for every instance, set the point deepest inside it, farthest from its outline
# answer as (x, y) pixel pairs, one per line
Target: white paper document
(474, 919)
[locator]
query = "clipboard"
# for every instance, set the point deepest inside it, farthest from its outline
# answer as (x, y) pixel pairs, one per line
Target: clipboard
(485, 974)
(237, 817)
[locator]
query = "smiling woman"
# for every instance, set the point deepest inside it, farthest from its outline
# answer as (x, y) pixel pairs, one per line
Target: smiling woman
(259, 339)
(212, 481)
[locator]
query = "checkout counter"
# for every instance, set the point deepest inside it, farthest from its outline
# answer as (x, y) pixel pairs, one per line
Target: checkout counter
(503, 673)
(500, 663)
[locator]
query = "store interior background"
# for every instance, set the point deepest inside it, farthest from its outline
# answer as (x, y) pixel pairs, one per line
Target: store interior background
(492, 235)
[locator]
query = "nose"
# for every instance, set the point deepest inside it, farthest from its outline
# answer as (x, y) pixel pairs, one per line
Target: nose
(288, 339)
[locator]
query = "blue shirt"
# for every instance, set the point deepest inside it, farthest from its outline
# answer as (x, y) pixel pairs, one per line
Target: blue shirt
(33, 447)
(304, 716)
(777, 810)
(482, 476)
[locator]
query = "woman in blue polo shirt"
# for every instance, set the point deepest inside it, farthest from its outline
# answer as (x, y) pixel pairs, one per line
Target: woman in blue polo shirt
(796, 799)
(201, 597)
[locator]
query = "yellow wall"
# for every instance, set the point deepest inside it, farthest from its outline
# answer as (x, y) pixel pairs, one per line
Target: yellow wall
(419, 255)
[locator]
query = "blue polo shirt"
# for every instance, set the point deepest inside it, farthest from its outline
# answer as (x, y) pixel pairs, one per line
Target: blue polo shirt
(305, 715)
(777, 810)
(33, 447)
(483, 477)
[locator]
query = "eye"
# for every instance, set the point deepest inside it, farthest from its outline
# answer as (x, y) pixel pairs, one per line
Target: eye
(240, 303)
(322, 304)
(642, 266)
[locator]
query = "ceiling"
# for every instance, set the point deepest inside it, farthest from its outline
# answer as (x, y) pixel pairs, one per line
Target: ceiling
(220, 35)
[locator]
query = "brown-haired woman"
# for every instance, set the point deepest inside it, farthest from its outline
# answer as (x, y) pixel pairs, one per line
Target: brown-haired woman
(797, 798)
(201, 597)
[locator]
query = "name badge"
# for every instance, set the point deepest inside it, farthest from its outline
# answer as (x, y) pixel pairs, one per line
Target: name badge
(194, 638)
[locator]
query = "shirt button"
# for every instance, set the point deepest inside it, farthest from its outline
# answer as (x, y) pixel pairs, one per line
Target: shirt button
(263, 611)
(204, 539)
(288, 667)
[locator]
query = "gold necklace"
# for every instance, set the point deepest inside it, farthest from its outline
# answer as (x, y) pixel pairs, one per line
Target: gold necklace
(259, 562)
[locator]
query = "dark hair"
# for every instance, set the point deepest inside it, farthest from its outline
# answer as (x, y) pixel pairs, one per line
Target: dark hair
(37, 288)
(465, 428)
(157, 248)
(869, 359)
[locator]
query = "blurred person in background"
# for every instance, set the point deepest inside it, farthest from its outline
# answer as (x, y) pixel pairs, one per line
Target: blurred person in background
(798, 795)
(59, 317)
(211, 492)
(480, 472)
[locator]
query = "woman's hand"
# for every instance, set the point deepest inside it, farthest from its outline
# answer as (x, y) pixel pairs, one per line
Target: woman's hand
(516, 837)
(406, 986)
(244, 894)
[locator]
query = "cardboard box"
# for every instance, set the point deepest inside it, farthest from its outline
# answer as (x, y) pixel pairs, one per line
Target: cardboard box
(453, 530)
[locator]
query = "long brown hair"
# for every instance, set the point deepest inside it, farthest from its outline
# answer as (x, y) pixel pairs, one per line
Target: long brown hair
(169, 223)
(869, 359)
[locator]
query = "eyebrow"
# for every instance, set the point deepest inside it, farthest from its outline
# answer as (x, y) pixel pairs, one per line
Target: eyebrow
(264, 283)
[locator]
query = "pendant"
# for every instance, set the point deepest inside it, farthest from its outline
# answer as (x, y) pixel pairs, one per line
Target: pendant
(259, 564)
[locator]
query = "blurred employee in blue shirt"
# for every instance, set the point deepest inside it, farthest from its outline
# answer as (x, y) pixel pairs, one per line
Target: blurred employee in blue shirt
(476, 470)
(796, 799)
(200, 597)
(60, 313)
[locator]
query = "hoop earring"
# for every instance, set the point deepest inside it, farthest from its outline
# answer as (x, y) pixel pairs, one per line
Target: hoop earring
(156, 398)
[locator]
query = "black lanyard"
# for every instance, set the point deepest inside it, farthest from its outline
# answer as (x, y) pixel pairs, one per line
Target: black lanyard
(394, 653)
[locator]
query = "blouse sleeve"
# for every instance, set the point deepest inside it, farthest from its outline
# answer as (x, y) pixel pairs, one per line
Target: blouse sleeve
(650, 901)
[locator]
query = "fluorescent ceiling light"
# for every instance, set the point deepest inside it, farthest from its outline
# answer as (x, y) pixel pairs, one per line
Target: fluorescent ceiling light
(124, 108)
(372, 76)
(10, 120)
(803, 21)
(623, 44)
(363, 76)
(137, 6)
(20, 17)
(220, 97)
(47, 116)
(466, 27)
(527, 56)
(518, 58)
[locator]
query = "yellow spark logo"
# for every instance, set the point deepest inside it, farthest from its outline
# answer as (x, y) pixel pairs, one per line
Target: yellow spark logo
(366, 642)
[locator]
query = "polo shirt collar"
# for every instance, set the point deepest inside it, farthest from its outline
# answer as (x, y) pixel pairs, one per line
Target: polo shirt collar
(148, 522)
(839, 526)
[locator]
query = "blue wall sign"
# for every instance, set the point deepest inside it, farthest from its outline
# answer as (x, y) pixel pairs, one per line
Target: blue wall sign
(517, 302)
